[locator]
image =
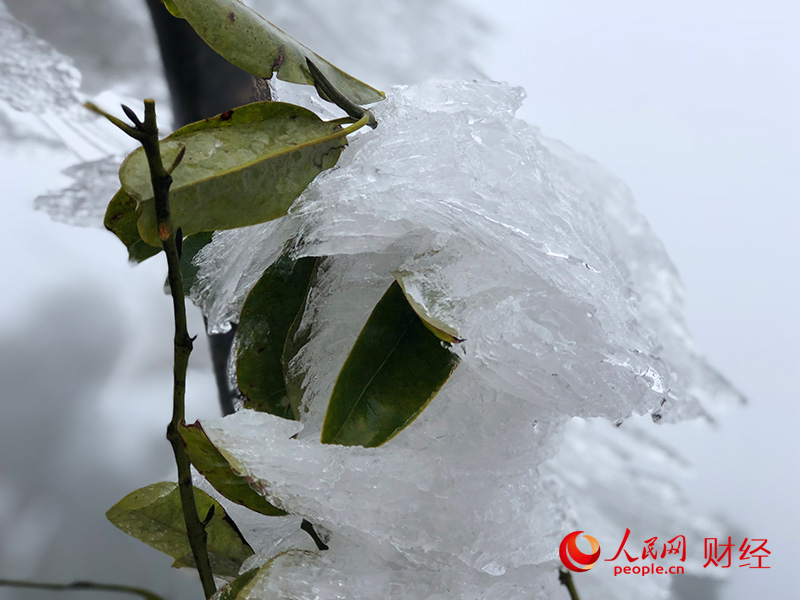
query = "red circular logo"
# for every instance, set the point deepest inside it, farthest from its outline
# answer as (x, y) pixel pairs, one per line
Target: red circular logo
(574, 559)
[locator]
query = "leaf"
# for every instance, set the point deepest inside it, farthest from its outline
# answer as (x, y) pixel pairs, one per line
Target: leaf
(253, 44)
(296, 338)
(189, 249)
(154, 515)
(242, 587)
(439, 328)
(267, 316)
(213, 466)
(394, 370)
(242, 167)
(233, 591)
(173, 10)
(121, 219)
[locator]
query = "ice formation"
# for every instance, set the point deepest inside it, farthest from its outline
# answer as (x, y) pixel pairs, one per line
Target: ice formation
(569, 307)
(84, 202)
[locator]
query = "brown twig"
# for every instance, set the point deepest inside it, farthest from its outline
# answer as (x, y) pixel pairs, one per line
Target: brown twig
(565, 578)
(146, 133)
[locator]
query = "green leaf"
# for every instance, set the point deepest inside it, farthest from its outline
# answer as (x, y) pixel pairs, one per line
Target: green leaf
(189, 249)
(154, 515)
(238, 589)
(242, 167)
(439, 328)
(242, 587)
(213, 466)
(253, 44)
(267, 316)
(296, 338)
(173, 10)
(121, 219)
(394, 370)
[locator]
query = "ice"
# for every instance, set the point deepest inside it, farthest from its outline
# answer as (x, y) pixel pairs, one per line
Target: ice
(35, 77)
(569, 307)
(535, 255)
(84, 202)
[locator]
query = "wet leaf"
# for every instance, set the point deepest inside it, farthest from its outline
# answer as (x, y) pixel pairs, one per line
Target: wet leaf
(242, 167)
(297, 337)
(238, 589)
(190, 247)
(154, 515)
(394, 370)
(253, 44)
(242, 587)
(265, 321)
(173, 10)
(121, 219)
(440, 329)
(214, 466)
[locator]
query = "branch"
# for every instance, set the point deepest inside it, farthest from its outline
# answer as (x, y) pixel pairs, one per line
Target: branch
(565, 578)
(81, 585)
(147, 134)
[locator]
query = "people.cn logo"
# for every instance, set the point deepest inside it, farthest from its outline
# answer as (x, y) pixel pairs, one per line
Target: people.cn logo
(574, 559)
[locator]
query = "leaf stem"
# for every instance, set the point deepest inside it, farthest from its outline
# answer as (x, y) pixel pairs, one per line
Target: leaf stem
(81, 585)
(565, 578)
(146, 133)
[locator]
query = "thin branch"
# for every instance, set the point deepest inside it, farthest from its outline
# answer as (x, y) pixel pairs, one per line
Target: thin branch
(81, 585)
(146, 133)
(565, 578)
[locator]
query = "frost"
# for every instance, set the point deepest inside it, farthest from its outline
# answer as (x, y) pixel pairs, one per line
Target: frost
(35, 77)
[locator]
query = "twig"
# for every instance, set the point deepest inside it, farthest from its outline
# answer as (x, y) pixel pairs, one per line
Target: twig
(81, 585)
(147, 134)
(565, 578)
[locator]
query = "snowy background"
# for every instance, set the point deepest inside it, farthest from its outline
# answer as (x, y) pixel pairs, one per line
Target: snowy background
(695, 107)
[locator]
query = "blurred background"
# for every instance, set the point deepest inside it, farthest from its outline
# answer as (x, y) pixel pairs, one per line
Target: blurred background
(695, 105)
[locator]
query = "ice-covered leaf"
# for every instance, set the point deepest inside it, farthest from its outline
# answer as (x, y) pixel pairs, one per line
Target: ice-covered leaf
(238, 589)
(255, 45)
(267, 316)
(242, 167)
(440, 329)
(394, 370)
(208, 460)
(154, 515)
(569, 306)
(189, 249)
(121, 219)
